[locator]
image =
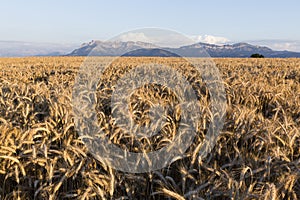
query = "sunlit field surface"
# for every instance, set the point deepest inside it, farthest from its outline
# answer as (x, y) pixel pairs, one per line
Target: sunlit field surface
(257, 154)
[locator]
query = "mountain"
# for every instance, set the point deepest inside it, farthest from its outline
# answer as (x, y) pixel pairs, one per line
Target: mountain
(235, 50)
(20, 49)
(117, 48)
(239, 50)
(99, 48)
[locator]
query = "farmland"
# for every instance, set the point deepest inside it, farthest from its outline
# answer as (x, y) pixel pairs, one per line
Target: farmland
(256, 156)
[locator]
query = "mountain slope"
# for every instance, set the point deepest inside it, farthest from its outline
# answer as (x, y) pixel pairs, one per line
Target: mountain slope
(153, 52)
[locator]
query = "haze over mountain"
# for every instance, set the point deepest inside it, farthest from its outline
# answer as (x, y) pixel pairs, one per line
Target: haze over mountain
(117, 48)
(21, 49)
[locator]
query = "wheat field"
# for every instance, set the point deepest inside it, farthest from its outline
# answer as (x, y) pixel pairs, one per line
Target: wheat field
(256, 156)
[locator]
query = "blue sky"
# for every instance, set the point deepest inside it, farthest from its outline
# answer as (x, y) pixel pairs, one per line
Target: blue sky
(74, 21)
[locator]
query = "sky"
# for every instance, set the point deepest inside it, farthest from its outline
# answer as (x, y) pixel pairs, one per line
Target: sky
(215, 21)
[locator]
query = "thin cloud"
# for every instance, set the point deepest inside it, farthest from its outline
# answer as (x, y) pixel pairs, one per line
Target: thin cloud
(210, 39)
(160, 38)
(291, 46)
(134, 37)
(280, 45)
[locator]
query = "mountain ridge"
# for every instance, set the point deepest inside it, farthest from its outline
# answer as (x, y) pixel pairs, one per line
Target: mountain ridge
(119, 48)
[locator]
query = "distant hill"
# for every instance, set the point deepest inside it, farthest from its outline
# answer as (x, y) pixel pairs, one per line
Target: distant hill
(240, 50)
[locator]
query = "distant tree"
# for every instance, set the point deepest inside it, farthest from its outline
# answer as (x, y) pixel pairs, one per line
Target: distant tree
(257, 55)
